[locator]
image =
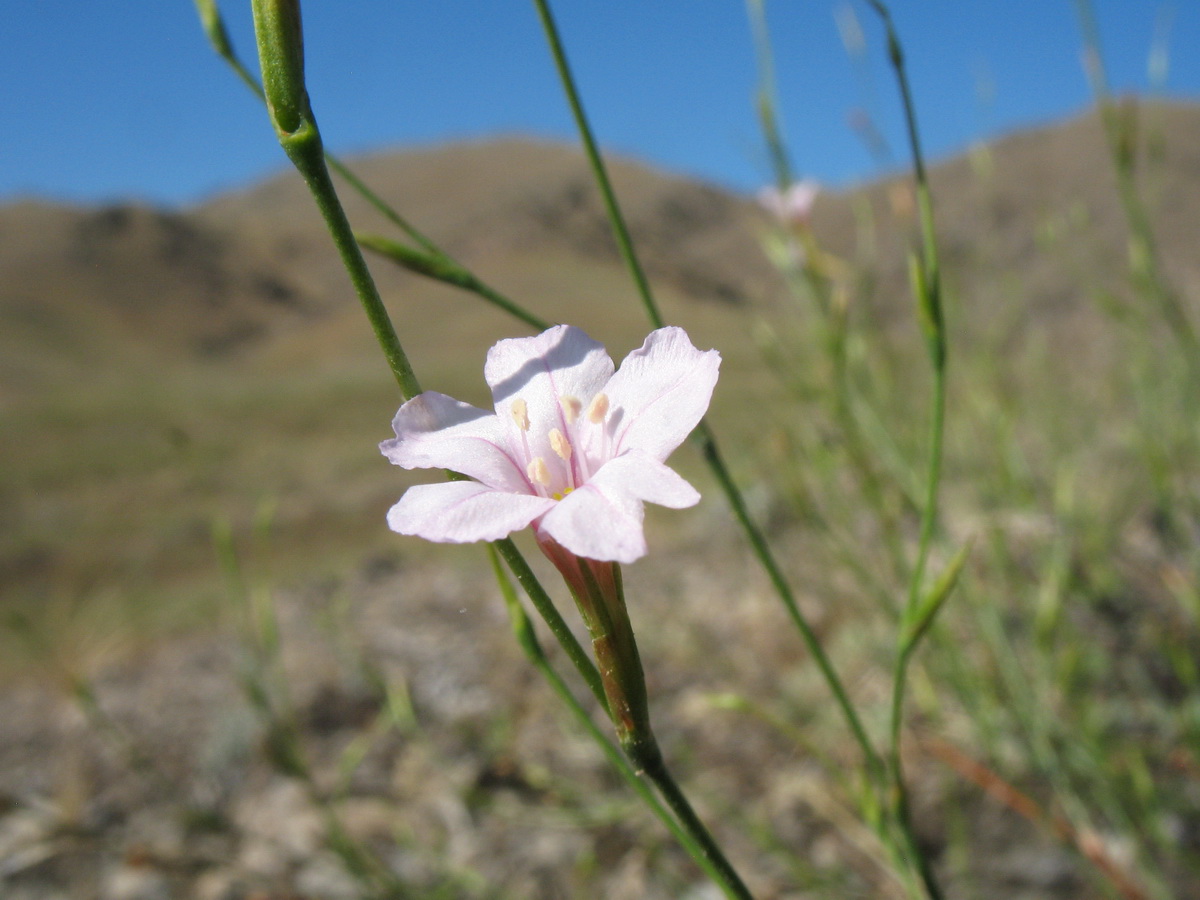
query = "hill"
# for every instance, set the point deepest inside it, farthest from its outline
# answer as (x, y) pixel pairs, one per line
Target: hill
(203, 361)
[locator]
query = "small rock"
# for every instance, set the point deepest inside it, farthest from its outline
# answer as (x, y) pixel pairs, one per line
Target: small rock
(127, 882)
(324, 877)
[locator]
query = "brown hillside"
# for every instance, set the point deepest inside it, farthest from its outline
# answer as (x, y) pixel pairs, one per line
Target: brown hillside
(83, 286)
(495, 198)
(124, 312)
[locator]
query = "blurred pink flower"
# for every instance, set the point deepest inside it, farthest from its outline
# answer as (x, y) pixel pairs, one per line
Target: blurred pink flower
(573, 448)
(792, 206)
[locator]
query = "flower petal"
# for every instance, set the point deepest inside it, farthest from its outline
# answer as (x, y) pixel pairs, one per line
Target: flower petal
(461, 512)
(660, 392)
(436, 431)
(598, 524)
(560, 362)
(645, 478)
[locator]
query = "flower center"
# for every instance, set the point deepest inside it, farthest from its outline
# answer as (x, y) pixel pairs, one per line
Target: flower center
(576, 447)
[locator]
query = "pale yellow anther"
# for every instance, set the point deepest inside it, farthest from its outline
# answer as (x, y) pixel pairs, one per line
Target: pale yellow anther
(598, 409)
(520, 413)
(539, 472)
(571, 407)
(559, 442)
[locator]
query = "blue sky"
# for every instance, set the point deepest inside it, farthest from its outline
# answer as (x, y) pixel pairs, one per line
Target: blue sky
(124, 99)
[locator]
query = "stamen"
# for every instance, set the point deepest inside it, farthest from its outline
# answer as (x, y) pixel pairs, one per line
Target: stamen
(561, 445)
(539, 472)
(598, 409)
(571, 407)
(520, 413)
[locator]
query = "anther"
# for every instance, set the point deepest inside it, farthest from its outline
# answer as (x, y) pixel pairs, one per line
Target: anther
(539, 472)
(520, 413)
(561, 445)
(598, 409)
(571, 407)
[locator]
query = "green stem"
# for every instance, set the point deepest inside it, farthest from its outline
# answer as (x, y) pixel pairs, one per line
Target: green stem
(218, 36)
(767, 103)
(703, 432)
(928, 287)
(441, 267)
(758, 543)
(655, 769)
(600, 596)
(554, 620)
(637, 736)
(304, 148)
(527, 639)
(620, 231)
(434, 262)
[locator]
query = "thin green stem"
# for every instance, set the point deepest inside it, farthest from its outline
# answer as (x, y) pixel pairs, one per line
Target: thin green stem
(762, 551)
(527, 639)
(441, 267)
(383, 207)
(703, 433)
(218, 36)
(655, 769)
(612, 208)
(304, 148)
(554, 620)
(927, 285)
(637, 736)
(767, 104)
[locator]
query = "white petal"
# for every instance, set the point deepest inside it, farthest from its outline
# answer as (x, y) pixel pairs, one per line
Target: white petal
(660, 392)
(560, 362)
(645, 478)
(597, 524)
(436, 431)
(461, 512)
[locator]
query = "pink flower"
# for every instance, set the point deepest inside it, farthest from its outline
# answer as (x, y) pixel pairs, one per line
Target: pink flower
(573, 448)
(792, 206)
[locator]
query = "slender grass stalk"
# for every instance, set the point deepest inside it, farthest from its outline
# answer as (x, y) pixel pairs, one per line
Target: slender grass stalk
(703, 434)
(596, 161)
(927, 286)
(814, 276)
